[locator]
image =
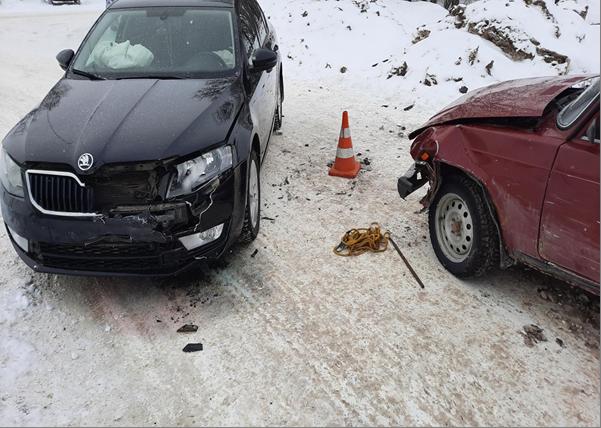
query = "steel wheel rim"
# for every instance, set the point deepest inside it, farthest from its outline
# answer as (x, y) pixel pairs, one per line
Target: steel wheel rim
(454, 227)
(253, 194)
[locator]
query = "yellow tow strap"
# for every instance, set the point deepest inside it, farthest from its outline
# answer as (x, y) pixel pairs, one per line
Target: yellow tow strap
(359, 241)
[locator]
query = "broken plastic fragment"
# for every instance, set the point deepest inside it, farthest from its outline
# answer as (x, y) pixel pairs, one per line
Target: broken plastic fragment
(188, 328)
(192, 347)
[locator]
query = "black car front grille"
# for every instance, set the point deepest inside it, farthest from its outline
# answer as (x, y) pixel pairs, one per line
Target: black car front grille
(56, 192)
(110, 256)
(104, 250)
(115, 257)
(119, 188)
(60, 193)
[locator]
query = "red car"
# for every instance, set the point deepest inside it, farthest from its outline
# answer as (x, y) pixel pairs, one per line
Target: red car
(514, 178)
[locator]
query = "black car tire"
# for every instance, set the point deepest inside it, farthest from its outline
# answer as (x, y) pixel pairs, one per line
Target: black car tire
(252, 223)
(468, 247)
(279, 117)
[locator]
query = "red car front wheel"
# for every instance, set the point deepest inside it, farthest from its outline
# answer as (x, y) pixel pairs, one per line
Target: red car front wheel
(462, 231)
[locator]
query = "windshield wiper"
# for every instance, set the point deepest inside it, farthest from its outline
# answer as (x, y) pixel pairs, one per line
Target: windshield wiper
(150, 76)
(90, 76)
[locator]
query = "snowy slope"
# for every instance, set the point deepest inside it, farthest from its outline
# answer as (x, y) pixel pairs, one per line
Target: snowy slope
(418, 50)
(562, 28)
(372, 40)
(26, 7)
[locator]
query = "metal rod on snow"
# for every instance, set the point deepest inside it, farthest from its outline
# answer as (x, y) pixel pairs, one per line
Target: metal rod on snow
(398, 250)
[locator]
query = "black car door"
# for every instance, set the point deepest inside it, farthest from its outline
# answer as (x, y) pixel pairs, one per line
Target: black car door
(261, 86)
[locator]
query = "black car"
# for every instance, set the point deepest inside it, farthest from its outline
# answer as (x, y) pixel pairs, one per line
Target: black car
(145, 157)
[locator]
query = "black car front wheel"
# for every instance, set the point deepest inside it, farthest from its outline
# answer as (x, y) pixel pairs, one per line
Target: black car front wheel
(279, 116)
(279, 110)
(462, 230)
(252, 216)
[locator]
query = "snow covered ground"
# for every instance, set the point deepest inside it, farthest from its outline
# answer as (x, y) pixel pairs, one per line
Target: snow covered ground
(294, 335)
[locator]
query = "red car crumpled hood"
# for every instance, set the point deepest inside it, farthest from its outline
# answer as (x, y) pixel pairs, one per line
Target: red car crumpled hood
(514, 98)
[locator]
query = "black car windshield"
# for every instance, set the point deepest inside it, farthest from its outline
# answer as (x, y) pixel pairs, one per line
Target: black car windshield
(165, 42)
(570, 113)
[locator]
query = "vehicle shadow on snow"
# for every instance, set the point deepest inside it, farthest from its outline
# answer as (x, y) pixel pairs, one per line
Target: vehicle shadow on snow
(213, 287)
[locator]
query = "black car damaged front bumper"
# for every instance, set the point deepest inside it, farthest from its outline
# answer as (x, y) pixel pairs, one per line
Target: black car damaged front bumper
(129, 240)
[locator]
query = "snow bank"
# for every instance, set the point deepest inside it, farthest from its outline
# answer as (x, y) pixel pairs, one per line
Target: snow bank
(558, 34)
(413, 50)
(419, 50)
(24, 7)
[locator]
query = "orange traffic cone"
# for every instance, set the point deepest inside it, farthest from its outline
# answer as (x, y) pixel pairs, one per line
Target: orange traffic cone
(346, 165)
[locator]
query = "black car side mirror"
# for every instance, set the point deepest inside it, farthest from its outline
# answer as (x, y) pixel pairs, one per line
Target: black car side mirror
(592, 133)
(65, 57)
(264, 60)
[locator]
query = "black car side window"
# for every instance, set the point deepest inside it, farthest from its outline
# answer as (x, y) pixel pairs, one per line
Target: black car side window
(259, 18)
(249, 29)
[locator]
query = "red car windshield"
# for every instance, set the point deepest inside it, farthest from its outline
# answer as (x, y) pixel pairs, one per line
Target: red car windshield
(570, 113)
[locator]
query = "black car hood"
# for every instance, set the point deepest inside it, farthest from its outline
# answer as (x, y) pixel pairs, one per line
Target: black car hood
(121, 121)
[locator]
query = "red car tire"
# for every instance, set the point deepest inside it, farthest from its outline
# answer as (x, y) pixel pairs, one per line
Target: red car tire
(462, 231)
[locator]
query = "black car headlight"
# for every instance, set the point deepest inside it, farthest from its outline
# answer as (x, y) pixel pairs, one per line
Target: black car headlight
(194, 173)
(10, 175)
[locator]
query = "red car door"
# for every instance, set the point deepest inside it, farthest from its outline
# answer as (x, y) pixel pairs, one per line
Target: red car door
(569, 233)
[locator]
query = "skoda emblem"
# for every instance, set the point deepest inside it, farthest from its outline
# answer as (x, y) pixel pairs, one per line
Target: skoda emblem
(85, 161)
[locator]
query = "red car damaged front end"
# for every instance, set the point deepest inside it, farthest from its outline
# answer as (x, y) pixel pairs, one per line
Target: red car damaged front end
(424, 150)
(516, 104)
(519, 186)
